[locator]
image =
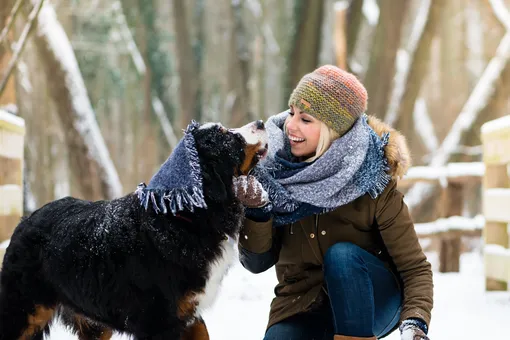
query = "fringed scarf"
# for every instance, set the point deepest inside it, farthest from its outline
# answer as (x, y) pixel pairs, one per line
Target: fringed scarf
(353, 165)
(177, 185)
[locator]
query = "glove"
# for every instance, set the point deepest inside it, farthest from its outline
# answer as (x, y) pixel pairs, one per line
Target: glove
(249, 191)
(413, 329)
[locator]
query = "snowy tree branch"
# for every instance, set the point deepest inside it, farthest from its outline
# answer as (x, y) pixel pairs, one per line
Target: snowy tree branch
(10, 22)
(403, 63)
(20, 44)
(501, 12)
(477, 101)
(90, 158)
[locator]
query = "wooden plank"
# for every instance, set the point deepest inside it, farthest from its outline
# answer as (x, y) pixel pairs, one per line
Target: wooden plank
(496, 205)
(497, 263)
(454, 225)
(11, 171)
(456, 173)
(7, 226)
(11, 144)
(495, 137)
(3, 248)
(11, 122)
(11, 200)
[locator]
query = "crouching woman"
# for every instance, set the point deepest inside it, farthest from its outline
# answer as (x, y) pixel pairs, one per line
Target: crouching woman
(348, 261)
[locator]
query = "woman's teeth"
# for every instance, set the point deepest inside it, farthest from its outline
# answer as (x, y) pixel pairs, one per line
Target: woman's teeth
(295, 139)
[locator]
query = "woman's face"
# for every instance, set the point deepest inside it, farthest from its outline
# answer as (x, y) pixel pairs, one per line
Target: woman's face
(303, 131)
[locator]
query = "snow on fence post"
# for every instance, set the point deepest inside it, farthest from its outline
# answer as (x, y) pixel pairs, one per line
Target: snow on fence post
(12, 132)
(496, 202)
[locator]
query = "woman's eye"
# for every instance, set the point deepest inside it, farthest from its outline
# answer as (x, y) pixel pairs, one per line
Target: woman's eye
(306, 120)
(291, 113)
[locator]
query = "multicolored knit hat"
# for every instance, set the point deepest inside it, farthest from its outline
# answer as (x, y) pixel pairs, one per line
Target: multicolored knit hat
(332, 95)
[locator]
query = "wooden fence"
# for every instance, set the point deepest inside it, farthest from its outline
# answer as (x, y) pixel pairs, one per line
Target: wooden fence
(451, 227)
(496, 202)
(12, 132)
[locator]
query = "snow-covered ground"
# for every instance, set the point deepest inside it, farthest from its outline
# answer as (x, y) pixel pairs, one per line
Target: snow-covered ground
(463, 310)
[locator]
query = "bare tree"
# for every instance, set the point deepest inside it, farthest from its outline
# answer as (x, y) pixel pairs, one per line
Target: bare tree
(186, 64)
(381, 66)
(303, 54)
(89, 157)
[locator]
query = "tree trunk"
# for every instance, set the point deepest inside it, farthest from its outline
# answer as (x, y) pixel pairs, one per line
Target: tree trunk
(354, 20)
(304, 50)
(89, 157)
(8, 96)
(186, 65)
(418, 71)
(239, 70)
(381, 67)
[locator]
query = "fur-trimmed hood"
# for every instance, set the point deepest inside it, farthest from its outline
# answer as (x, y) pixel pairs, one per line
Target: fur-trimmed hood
(396, 151)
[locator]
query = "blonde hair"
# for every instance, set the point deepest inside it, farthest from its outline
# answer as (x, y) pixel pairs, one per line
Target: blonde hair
(326, 137)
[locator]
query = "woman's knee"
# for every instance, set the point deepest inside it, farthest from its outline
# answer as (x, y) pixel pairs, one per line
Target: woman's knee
(344, 255)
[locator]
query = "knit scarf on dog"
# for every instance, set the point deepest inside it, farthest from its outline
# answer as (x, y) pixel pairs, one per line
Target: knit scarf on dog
(177, 185)
(353, 165)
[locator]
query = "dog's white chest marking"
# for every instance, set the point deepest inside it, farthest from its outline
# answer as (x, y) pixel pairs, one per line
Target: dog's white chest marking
(217, 271)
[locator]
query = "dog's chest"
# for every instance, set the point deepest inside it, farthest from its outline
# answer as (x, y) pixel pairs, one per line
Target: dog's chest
(217, 271)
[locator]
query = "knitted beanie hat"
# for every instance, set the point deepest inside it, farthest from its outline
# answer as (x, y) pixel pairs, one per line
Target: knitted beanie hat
(332, 95)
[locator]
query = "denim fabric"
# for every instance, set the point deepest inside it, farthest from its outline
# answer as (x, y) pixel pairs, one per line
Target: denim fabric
(365, 299)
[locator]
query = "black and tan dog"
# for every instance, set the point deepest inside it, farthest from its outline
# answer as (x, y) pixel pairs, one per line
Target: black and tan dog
(146, 264)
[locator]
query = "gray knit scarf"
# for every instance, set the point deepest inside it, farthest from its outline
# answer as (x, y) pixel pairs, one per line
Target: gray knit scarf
(353, 166)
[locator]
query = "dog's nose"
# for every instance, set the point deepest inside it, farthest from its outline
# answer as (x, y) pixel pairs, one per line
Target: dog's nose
(259, 124)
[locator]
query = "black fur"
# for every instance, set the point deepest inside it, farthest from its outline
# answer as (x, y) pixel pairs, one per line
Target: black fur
(117, 264)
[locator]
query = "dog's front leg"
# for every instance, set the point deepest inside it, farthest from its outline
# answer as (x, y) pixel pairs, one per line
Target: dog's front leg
(196, 331)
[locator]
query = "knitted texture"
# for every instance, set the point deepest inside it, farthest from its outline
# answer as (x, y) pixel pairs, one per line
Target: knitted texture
(332, 95)
(353, 166)
(177, 185)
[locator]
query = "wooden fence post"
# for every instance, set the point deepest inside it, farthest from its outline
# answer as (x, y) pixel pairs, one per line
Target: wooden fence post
(12, 132)
(450, 246)
(496, 202)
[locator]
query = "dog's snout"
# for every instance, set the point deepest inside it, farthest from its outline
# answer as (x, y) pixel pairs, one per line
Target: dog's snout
(259, 124)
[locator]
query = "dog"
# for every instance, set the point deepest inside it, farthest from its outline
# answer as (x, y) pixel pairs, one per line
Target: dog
(146, 264)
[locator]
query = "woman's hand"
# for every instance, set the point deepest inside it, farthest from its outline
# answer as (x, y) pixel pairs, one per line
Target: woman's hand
(250, 192)
(410, 330)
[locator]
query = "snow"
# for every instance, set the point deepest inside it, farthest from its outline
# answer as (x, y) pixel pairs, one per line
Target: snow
(501, 11)
(12, 119)
(423, 125)
(462, 307)
(85, 123)
(496, 125)
(449, 224)
(370, 10)
(496, 250)
(403, 62)
(476, 102)
(451, 170)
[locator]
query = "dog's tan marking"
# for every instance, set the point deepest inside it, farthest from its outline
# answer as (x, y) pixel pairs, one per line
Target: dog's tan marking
(37, 321)
(187, 306)
(250, 153)
(196, 331)
(85, 328)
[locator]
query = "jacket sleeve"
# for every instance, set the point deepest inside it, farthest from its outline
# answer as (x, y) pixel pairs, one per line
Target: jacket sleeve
(397, 232)
(259, 247)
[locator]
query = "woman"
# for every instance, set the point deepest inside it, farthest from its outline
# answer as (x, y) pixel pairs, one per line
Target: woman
(348, 261)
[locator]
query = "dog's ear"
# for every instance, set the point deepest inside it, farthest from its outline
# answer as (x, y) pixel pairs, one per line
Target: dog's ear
(214, 185)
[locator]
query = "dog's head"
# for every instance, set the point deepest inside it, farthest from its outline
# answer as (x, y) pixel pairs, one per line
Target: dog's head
(225, 153)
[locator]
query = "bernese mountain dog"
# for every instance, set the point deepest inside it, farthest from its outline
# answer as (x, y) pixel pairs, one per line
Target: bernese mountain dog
(146, 264)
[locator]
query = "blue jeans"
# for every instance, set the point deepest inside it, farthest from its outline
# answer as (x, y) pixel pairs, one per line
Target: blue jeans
(365, 300)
